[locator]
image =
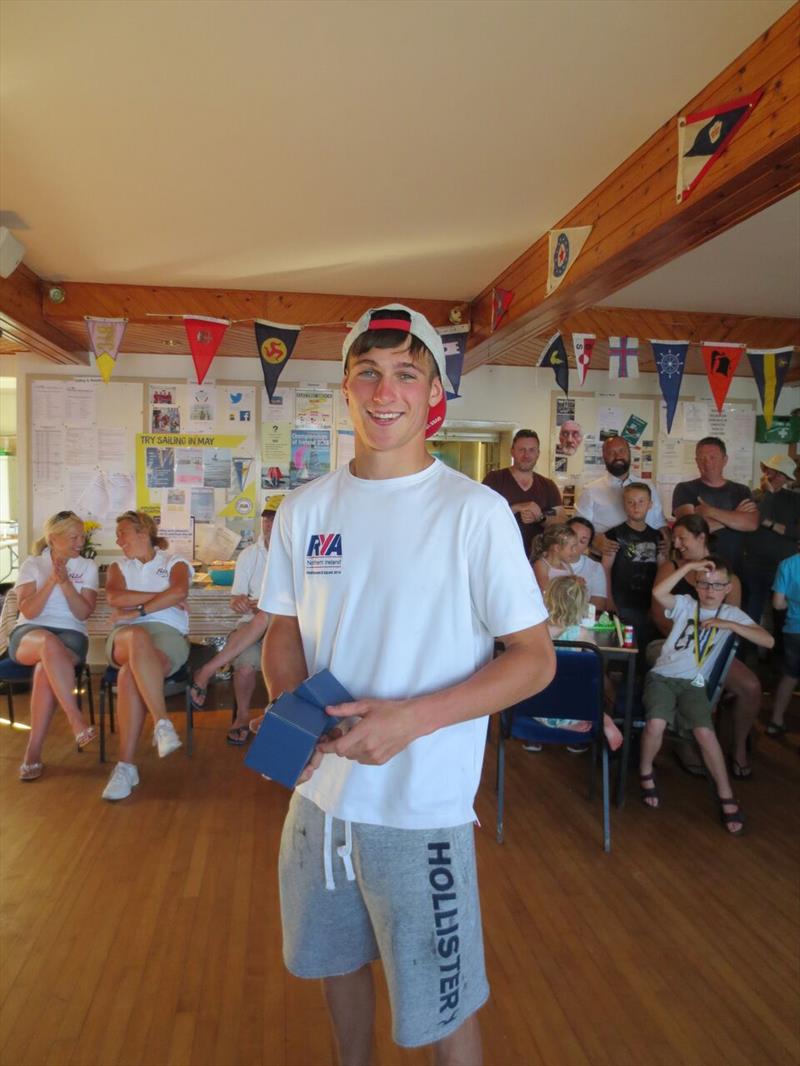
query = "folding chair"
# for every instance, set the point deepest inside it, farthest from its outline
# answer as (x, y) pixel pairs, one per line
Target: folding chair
(175, 683)
(576, 691)
(15, 675)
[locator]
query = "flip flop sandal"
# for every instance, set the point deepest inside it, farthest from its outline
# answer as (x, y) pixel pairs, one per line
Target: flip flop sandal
(741, 773)
(85, 737)
(646, 794)
(775, 730)
(239, 736)
(31, 771)
(200, 692)
(728, 817)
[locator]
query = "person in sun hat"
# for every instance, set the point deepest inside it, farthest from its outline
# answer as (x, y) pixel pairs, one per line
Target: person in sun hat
(396, 573)
(243, 646)
(776, 536)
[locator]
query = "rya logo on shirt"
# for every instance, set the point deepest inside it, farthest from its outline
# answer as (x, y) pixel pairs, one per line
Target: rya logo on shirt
(324, 553)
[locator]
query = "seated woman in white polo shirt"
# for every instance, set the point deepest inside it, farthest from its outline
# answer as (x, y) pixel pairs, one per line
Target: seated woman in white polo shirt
(56, 593)
(147, 591)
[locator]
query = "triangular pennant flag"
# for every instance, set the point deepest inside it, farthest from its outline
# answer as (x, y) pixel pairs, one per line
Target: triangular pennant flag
(275, 346)
(623, 357)
(564, 247)
(721, 362)
(454, 340)
(501, 301)
(241, 506)
(704, 136)
(105, 337)
(583, 346)
(555, 356)
(770, 366)
(670, 357)
(205, 336)
(241, 469)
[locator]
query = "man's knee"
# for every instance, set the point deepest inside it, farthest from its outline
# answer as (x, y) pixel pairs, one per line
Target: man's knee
(654, 727)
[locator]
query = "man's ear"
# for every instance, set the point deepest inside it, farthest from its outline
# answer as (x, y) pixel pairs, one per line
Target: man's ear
(437, 391)
(344, 390)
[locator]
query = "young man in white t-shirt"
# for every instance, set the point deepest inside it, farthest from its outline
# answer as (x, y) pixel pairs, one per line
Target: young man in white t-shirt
(396, 573)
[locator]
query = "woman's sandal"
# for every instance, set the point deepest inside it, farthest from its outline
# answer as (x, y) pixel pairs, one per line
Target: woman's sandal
(31, 771)
(85, 737)
(775, 730)
(238, 736)
(729, 817)
(196, 705)
(649, 793)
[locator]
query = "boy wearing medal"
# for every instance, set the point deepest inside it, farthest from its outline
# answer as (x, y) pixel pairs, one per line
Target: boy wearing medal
(675, 692)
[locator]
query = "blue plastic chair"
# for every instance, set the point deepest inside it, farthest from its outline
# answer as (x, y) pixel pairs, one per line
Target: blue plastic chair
(576, 691)
(15, 675)
(173, 684)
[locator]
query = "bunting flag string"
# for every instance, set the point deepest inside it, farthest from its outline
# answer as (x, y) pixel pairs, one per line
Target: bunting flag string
(105, 337)
(623, 357)
(555, 356)
(205, 336)
(704, 136)
(721, 362)
(670, 359)
(583, 346)
(275, 344)
(501, 301)
(770, 366)
(564, 247)
(454, 341)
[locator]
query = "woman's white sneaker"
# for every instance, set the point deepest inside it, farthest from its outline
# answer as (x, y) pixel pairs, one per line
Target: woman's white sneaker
(124, 778)
(165, 738)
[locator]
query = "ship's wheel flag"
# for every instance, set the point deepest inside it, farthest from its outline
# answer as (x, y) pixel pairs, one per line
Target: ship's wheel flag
(275, 346)
(501, 301)
(564, 247)
(583, 346)
(105, 336)
(704, 136)
(555, 356)
(721, 362)
(670, 358)
(205, 336)
(454, 342)
(770, 366)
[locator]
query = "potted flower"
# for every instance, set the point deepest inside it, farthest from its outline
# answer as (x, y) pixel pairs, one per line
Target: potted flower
(89, 546)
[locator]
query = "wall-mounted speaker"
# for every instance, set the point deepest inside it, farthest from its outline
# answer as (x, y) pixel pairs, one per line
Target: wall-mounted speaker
(11, 252)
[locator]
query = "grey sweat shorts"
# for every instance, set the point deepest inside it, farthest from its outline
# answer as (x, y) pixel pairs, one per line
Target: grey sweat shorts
(413, 903)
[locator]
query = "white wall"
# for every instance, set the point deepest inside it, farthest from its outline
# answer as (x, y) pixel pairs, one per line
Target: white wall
(516, 396)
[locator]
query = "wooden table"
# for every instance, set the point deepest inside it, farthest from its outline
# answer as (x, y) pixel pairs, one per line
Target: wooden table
(608, 646)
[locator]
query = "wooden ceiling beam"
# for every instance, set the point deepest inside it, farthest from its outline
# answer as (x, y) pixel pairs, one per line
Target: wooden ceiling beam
(23, 323)
(638, 226)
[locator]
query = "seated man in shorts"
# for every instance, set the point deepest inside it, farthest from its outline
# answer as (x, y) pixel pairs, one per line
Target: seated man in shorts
(675, 689)
(396, 573)
(243, 646)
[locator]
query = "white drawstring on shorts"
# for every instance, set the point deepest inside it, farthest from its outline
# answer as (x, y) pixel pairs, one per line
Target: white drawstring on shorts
(344, 851)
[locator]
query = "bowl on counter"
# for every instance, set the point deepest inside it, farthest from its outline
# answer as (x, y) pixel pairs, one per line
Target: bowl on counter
(222, 573)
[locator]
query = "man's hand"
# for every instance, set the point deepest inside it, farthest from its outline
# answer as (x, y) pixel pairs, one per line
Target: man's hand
(241, 604)
(746, 505)
(384, 728)
(720, 623)
(705, 510)
(528, 512)
(703, 565)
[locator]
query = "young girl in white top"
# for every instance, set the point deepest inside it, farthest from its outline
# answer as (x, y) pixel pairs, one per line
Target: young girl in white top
(567, 601)
(550, 554)
(147, 591)
(56, 592)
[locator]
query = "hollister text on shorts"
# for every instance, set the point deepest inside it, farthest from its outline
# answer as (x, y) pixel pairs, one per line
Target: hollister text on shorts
(445, 920)
(324, 553)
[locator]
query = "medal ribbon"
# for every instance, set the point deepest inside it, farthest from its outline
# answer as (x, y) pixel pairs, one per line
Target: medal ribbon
(704, 644)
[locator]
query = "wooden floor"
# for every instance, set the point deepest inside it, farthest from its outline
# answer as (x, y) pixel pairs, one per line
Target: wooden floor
(147, 932)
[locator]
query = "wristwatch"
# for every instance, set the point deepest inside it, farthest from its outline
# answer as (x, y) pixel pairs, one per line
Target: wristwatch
(141, 610)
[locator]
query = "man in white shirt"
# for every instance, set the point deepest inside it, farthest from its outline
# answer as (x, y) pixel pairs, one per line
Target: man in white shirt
(396, 573)
(601, 500)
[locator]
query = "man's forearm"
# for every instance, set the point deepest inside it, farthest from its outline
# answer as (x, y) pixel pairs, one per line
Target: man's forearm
(743, 521)
(283, 660)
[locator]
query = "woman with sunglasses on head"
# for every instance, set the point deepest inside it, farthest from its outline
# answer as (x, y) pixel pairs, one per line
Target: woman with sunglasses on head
(691, 537)
(56, 593)
(147, 591)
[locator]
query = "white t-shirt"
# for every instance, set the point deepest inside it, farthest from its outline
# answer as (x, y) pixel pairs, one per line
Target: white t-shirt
(153, 576)
(399, 587)
(677, 658)
(593, 574)
(248, 577)
(601, 502)
(38, 568)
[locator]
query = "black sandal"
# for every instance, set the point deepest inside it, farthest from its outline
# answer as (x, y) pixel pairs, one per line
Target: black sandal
(728, 817)
(649, 793)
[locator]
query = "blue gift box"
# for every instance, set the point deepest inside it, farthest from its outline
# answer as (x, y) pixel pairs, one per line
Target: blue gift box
(293, 726)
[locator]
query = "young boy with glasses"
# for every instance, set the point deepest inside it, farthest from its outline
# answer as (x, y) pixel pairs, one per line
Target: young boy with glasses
(675, 689)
